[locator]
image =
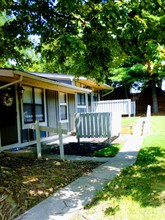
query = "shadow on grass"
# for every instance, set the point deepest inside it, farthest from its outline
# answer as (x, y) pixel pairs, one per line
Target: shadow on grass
(144, 182)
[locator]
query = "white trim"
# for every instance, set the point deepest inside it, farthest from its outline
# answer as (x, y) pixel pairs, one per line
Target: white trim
(45, 104)
(86, 101)
(18, 115)
(29, 125)
(82, 106)
(63, 104)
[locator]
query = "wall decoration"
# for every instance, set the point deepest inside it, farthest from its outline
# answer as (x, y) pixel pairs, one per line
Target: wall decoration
(7, 99)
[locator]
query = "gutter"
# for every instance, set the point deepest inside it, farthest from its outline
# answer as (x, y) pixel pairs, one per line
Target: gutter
(12, 83)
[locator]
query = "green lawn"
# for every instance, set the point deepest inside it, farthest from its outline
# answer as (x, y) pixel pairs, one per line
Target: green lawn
(109, 151)
(139, 192)
(127, 120)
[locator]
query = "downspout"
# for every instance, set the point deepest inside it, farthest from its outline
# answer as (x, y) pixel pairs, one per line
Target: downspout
(12, 83)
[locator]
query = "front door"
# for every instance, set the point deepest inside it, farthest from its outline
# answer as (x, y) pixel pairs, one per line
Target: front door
(8, 116)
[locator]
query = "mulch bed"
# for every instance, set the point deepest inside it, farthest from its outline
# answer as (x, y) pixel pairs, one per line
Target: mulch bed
(82, 149)
(24, 182)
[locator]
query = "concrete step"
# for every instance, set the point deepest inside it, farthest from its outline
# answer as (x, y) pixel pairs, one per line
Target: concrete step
(127, 129)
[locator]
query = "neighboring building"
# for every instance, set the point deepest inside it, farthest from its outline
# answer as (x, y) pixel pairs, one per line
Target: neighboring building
(119, 92)
(26, 98)
(144, 98)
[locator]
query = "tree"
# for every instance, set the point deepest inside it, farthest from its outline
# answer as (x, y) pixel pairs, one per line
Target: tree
(144, 43)
(76, 35)
(87, 37)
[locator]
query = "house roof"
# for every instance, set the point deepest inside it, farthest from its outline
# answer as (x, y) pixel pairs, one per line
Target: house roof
(14, 76)
(54, 76)
(83, 80)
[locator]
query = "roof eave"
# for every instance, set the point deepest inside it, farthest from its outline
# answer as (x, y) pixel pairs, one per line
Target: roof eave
(31, 79)
(93, 84)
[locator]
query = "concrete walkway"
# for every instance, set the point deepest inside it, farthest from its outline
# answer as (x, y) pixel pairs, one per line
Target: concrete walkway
(66, 203)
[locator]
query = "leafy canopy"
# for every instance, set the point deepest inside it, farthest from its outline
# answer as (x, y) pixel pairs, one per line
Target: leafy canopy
(95, 38)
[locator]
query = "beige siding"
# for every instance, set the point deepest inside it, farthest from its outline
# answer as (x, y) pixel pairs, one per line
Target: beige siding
(52, 109)
(71, 109)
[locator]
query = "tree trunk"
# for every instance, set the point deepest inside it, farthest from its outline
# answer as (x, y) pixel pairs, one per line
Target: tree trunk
(154, 98)
(126, 91)
(154, 106)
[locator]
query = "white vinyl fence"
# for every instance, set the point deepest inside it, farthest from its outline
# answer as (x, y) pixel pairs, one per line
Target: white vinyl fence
(95, 125)
(123, 106)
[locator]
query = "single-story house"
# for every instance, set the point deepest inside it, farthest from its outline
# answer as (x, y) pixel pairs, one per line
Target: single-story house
(29, 97)
(83, 101)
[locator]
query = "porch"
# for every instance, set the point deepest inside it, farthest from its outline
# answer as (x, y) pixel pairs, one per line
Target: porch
(96, 128)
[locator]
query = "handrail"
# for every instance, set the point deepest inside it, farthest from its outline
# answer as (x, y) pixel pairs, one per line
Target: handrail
(58, 131)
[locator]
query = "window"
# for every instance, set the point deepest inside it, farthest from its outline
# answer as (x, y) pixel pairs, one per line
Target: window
(33, 105)
(63, 106)
(81, 103)
(81, 99)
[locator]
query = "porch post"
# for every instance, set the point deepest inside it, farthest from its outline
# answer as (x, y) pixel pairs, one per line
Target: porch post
(60, 142)
(38, 140)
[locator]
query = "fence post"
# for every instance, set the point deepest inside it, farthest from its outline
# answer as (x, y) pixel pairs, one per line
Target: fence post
(129, 107)
(134, 108)
(60, 142)
(148, 115)
(77, 125)
(109, 126)
(38, 140)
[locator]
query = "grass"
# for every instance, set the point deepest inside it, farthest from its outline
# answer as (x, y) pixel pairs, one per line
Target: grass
(109, 151)
(129, 120)
(139, 192)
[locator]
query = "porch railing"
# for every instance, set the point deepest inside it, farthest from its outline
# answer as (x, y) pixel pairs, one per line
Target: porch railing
(123, 106)
(36, 126)
(95, 125)
(58, 131)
